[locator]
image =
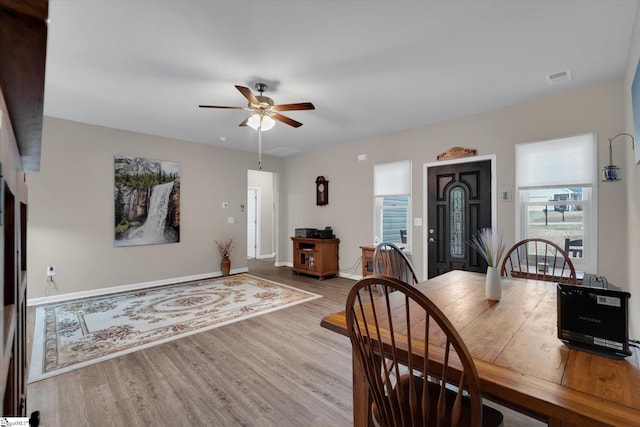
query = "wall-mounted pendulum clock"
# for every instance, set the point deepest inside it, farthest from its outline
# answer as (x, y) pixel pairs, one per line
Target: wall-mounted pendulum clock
(322, 191)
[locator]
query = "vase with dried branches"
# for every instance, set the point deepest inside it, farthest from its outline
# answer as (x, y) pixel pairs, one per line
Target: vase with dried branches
(226, 249)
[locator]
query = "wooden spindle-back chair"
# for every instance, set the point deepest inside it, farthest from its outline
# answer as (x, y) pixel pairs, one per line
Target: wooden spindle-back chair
(390, 260)
(398, 321)
(539, 259)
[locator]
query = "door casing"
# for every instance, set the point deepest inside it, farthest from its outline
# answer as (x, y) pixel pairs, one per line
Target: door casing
(253, 215)
(425, 200)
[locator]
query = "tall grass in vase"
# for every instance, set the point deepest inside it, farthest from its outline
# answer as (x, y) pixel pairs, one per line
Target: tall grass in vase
(489, 245)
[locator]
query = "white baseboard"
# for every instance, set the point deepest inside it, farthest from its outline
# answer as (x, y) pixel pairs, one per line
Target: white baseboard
(124, 288)
(284, 264)
(266, 256)
(350, 276)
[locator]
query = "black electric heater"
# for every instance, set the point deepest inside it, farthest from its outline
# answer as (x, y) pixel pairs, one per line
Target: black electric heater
(595, 320)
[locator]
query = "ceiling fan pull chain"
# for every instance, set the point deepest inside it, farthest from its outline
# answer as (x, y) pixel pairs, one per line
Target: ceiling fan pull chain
(260, 145)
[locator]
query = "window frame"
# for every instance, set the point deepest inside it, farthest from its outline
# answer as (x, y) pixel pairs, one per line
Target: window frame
(379, 207)
(585, 263)
(589, 261)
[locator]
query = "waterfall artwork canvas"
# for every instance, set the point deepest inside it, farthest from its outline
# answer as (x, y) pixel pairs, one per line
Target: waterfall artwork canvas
(147, 201)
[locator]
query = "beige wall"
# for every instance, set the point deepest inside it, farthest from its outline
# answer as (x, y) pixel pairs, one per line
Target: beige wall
(596, 108)
(71, 199)
(631, 175)
(71, 209)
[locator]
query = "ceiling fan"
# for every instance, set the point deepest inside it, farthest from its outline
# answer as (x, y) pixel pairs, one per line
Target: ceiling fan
(264, 110)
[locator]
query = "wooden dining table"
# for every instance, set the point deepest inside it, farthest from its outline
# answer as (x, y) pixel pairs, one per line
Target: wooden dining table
(520, 360)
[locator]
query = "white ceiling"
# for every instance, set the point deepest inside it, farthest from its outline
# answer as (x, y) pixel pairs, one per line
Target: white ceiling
(370, 67)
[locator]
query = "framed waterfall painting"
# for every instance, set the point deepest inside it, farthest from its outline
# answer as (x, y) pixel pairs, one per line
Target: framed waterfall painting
(147, 201)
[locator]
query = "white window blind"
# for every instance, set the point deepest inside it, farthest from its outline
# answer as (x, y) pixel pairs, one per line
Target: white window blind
(392, 178)
(570, 161)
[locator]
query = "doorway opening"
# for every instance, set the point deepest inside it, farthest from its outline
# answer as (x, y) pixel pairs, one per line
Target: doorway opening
(261, 224)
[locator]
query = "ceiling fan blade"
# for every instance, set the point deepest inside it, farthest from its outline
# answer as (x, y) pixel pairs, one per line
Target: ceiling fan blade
(245, 122)
(298, 106)
(248, 94)
(219, 106)
(285, 119)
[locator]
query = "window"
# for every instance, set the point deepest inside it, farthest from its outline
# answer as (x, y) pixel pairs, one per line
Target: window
(457, 199)
(556, 181)
(392, 196)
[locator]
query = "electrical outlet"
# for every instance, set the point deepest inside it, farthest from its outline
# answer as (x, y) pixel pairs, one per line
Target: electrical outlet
(51, 270)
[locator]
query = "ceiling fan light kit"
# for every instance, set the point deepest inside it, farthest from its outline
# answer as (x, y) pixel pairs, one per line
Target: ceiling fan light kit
(264, 112)
(256, 121)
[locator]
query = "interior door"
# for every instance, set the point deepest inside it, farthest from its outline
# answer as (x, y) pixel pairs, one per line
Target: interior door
(459, 204)
(252, 222)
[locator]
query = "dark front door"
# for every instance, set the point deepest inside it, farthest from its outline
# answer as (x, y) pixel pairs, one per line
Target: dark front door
(459, 199)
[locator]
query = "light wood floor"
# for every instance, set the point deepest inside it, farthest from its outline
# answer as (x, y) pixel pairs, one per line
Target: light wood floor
(278, 369)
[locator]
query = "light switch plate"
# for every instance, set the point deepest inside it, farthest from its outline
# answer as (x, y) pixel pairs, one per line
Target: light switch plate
(230, 220)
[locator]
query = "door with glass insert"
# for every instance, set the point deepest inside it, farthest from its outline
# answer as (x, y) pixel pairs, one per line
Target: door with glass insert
(459, 205)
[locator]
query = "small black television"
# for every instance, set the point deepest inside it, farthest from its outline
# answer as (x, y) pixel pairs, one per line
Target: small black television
(595, 320)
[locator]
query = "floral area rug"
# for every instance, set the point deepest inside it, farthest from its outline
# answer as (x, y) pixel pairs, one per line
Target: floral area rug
(78, 333)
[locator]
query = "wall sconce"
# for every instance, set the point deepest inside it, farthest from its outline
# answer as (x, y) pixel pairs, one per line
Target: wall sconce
(610, 173)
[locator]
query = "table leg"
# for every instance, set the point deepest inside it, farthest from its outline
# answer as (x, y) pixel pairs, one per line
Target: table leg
(361, 397)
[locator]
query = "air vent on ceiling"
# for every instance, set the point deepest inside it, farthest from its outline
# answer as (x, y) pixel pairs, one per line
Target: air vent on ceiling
(559, 77)
(281, 151)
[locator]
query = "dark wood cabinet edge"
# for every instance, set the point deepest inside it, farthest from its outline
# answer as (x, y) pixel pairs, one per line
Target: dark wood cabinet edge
(10, 318)
(36, 9)
(23, 45)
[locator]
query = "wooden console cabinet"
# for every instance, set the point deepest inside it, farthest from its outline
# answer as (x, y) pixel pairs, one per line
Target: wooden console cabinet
(367, 259)
(317, 257)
